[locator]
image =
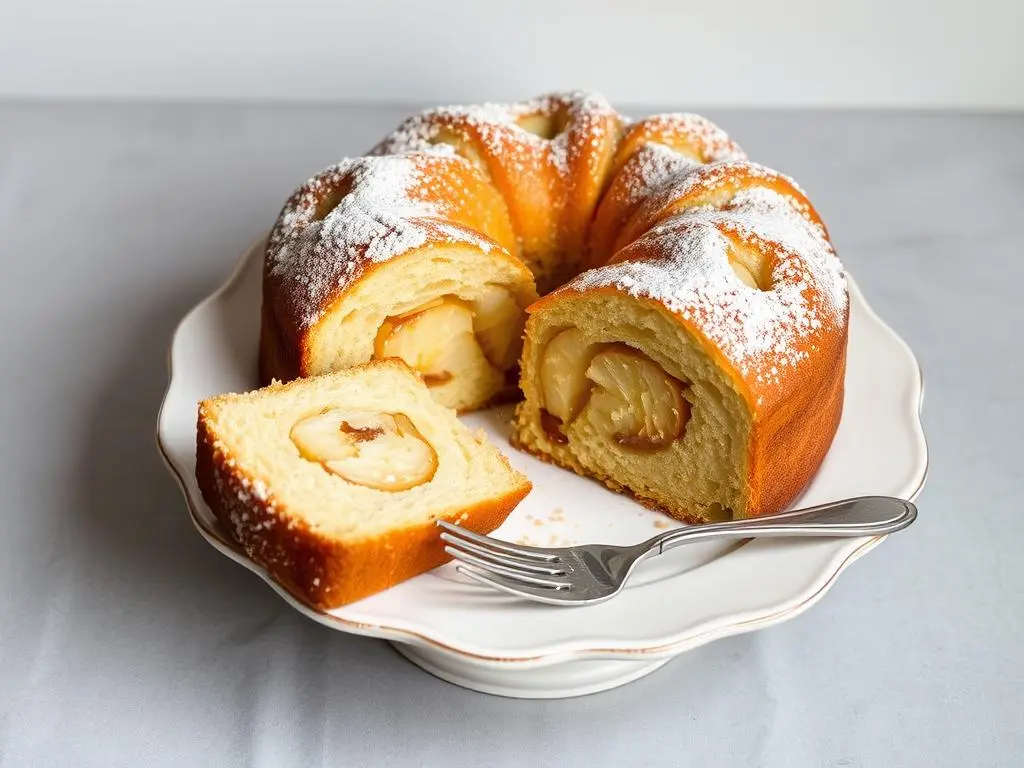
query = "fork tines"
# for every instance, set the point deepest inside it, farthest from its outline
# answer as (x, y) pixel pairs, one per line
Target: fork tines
(502, 565)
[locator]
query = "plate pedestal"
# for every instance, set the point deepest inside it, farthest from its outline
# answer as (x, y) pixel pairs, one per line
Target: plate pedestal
(554, 681)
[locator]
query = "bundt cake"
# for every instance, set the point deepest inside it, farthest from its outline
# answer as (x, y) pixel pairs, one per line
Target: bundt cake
(689, 343)
(334, 483)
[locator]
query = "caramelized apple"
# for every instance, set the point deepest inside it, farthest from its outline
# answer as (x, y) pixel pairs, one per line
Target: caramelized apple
(435, 340)
(634, 400)
(378, 450)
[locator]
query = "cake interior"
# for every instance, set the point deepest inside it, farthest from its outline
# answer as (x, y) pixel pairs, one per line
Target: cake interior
(257, 430)
(455, 316)
(649, 411)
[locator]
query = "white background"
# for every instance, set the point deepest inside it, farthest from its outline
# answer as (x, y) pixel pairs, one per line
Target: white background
(943, 53)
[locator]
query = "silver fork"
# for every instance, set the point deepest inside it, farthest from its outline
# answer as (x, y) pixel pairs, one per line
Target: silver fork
(591, 573)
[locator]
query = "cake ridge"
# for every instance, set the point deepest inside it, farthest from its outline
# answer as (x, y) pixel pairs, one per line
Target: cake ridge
(654, 207)
(392, 205)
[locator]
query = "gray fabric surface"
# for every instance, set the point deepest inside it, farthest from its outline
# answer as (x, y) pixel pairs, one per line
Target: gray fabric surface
(126, 640)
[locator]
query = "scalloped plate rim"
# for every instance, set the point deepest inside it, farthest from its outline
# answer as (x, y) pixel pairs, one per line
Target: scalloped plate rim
(847, 551)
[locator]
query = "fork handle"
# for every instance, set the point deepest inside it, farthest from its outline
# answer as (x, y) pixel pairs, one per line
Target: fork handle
(862, 516)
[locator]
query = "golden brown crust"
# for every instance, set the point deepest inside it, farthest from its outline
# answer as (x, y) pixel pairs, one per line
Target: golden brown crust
(652, 152)
(715, 185)
(280, 344)
(788, 443)
(459, 207)
(550, 183)
(688, 134)
(556, 204)
(314, 567)
(284, 346)
(795, 411)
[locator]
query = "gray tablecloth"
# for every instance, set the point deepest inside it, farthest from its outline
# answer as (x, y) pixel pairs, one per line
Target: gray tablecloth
(126, 640)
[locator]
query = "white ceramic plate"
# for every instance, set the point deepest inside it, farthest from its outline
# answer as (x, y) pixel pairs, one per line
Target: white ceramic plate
(493, 642)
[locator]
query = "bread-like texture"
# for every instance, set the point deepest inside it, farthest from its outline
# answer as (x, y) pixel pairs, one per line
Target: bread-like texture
(456, 200)
(762, 365)
(738, 460)
(344, 335)
(327, 541)
(373, 238)
(656, 234)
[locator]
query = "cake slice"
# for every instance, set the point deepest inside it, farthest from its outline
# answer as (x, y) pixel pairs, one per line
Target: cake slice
(334, 483)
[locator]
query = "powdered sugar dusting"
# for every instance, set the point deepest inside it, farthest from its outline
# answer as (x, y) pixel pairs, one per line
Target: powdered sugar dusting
(711, 142)
(397, 200)
(498, 129)
(385, 212)
(683, 263)
(658, 158)
(421, 133)
(650, 168)
(715, 180)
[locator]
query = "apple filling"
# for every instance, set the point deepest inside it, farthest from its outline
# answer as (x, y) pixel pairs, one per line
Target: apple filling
(378, 450)
(449, 335)
(622, 392)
